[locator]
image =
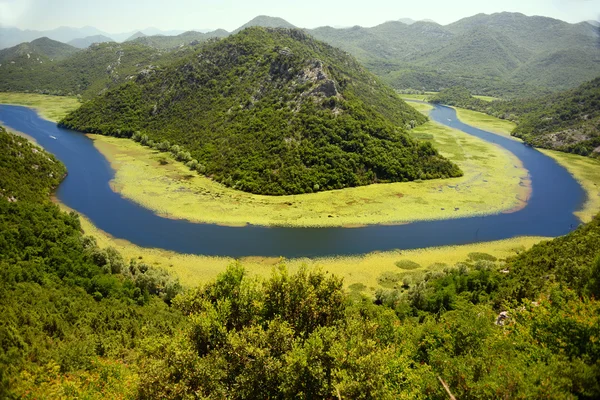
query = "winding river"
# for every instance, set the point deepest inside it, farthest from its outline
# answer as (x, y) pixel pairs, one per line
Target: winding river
(549, 212)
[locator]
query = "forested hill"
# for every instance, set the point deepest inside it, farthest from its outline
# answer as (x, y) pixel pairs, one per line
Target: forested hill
(270, 111)
(567, 121)
(85, 72)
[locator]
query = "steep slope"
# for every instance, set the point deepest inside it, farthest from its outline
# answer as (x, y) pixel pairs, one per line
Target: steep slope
(83, 43)
(266, 22)
(42, 49)
(270, 111)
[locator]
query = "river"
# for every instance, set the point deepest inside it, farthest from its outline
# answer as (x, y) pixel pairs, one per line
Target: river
(549, 211)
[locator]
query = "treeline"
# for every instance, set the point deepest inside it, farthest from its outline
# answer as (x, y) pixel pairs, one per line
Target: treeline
(274, 112)
(568, 121)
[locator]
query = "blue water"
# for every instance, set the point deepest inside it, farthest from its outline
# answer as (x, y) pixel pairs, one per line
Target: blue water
(549, 212)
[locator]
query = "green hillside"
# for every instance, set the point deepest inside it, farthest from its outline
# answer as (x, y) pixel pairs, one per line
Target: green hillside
(569, 121)
(86, 72)
(36, 52)
(270, 111)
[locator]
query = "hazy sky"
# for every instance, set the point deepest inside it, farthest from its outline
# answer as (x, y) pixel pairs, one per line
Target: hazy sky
(124, 15)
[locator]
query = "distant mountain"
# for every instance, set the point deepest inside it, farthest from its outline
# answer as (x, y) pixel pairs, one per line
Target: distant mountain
(270, 111)
(35, 52)
(500, 54)
(594, 23)
(533, 33)
(410, 21)
(186, 38)
(136, 35)
(85, 42)
(265, 22)
(85, 72)
(12, 36)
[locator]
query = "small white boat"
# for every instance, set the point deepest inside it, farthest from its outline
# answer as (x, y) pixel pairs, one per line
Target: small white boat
(53, 137)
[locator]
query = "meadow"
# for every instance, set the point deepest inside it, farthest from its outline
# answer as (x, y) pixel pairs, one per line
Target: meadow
(52, 108)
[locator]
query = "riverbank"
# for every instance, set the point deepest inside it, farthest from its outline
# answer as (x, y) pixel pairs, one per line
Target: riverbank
(52, 108)
(365, 273)
(491, 184)
(584, 169)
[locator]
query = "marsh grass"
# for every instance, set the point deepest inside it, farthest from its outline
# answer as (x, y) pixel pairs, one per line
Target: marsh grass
(360, 273)
(587, 172)
(52, 108)
(486, 122)
(491, 184)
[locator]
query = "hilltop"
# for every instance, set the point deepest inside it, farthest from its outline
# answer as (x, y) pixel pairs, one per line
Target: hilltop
(270, 111)
(266, 22)
(35, 52)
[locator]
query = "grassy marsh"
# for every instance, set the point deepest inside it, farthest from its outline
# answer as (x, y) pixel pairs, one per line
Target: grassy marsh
(363, 273)
(491, 184)
(486, 122)
(587, 172)
(52, 108)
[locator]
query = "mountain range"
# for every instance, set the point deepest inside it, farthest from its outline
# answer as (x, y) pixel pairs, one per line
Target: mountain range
(505, 55)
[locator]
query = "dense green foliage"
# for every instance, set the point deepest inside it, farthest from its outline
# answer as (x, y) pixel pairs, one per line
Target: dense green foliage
(567, 121)
(270, 111)
(300, 336)
(63, 301)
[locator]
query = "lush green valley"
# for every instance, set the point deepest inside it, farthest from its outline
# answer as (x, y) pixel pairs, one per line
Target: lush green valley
(79, 321)
(567, 121)
(218, 153)
(270, 111)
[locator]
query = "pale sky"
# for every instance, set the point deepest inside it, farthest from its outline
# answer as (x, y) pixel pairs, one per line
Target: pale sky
(115, 16)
